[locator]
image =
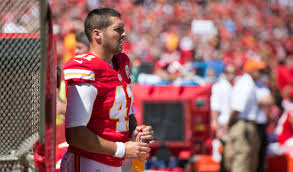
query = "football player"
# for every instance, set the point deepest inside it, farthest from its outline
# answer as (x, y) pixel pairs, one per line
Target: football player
(99, 129)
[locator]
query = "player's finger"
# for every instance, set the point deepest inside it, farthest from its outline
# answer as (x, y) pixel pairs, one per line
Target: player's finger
(148, 128)
(152, 142)
(141, 144)
(139, 128)
(146, 132)
(147, 138)
(144, 149)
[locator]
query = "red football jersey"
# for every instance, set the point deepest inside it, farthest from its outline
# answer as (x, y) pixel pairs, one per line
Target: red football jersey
(109, 117)
(284, 128)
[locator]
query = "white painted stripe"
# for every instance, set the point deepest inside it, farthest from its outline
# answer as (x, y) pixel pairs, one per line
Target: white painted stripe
(88, 72)
(58, 164)
(79, 76)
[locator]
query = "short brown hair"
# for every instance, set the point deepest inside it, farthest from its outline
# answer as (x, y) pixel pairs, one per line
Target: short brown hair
(99, 19)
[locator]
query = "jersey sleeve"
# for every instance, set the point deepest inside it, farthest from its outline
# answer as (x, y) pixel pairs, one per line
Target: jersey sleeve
(79, 70)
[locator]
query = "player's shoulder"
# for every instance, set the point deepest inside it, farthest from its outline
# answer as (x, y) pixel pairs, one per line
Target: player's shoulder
(83, 61)
(80, 68)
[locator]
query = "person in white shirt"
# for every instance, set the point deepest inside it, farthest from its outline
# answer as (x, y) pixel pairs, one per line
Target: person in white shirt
(265, 100)
(242, 145)
(220, 98)
(220, 106)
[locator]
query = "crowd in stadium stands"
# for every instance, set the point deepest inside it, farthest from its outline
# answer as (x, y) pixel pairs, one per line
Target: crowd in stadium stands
(168, 34)
(167, 44)
(189, 42)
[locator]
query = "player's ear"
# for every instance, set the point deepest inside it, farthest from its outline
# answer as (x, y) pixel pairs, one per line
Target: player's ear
(97, 35)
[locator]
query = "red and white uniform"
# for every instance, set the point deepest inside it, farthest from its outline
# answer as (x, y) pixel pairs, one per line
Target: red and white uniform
(284, 128)
(109, 118)
(60, 150)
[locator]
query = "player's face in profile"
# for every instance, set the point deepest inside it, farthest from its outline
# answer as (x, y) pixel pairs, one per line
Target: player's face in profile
(114, 36)
(80, 48)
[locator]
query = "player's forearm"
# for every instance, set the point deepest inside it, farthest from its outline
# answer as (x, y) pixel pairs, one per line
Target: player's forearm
(81, 137)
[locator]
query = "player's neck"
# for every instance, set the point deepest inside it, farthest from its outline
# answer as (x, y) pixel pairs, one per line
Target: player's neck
(98, 51)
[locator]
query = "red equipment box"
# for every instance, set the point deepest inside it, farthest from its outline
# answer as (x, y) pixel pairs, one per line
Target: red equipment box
(179, 115)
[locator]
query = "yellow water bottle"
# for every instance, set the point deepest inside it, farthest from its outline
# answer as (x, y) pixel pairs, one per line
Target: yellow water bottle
(138, 165)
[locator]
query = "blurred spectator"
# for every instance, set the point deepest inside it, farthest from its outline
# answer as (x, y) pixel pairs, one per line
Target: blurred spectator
(220, 99)
(242, 145)
(284, 129)
(265, 101)
(285, 75)
(220, 105)
(210, 75)
(82, 43)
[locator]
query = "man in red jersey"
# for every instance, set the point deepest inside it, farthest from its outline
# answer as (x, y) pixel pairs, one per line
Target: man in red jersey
(98, 124)
(284, 129)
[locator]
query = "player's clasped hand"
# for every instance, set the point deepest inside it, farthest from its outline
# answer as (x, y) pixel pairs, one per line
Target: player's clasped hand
(133, 150)
(146, 135)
